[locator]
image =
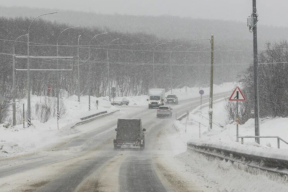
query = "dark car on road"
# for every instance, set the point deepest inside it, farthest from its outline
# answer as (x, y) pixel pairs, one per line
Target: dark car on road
(172, 99)
(130, 134)
(123, 101)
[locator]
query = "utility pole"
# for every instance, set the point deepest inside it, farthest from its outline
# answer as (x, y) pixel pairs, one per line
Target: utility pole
(255, 50)
(78, 72)
(13, 88)
(28, 83)
(108, 74)
(211, 84)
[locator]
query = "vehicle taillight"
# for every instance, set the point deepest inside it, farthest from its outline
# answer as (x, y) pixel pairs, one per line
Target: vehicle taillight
(158, 109)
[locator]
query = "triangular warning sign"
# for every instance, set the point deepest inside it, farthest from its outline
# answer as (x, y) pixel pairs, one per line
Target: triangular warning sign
(237, 95)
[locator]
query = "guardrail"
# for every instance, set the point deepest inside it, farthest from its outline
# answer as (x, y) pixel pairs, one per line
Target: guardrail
(93, 115)
(274, 165)
(85, 120)
(276, 137)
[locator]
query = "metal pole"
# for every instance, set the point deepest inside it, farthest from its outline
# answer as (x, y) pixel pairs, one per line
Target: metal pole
(278, 143)
(28, 67)
(187, 118)
(58, 76)
(89, 91)
(57, 85)
(237, 122)
(171, 73)
(13, 88)
(108, 71)
(255, 50)
(108, 74)
(78, 72)
(13, 80)
(28, 81)
(211, 84)
(23, 115)
(153, 68)
(201, 104)
(171, 83)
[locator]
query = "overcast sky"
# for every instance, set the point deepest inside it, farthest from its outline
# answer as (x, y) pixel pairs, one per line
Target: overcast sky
(271, 12)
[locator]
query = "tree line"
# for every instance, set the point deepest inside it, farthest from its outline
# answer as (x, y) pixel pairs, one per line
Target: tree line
(272, 84)
(130, 60)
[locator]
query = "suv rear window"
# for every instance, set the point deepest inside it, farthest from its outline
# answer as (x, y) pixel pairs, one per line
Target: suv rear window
(164, 108)
(171, 96)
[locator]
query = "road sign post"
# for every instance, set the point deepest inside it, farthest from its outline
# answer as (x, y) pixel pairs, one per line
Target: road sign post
(201, 92)
(49, 89)
(237, 95)
(23, 115)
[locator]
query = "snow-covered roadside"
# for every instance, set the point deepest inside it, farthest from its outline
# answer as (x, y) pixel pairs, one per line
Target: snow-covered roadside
(224, 133)
(191, 168)
(18, 140)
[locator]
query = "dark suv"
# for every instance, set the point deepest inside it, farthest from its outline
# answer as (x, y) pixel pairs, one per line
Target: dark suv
(172, 99)
(130, 134)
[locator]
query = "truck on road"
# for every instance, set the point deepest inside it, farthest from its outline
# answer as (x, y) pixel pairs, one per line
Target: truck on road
(156, 97)
(130, 134)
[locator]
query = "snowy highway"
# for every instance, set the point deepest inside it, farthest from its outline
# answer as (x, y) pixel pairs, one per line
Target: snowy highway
(88, 161)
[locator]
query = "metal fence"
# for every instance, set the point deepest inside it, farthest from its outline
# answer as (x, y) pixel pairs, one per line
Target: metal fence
(266, 137)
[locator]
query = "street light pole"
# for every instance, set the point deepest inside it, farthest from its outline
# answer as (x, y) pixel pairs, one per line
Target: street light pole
(171, 83)
(211, 84)
(108, 70)
(78, 72)
(13, 81)
(58, 76)
(28, 67)
(95, 36)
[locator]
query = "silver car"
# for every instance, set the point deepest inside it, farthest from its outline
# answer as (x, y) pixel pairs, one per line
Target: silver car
(164, 111)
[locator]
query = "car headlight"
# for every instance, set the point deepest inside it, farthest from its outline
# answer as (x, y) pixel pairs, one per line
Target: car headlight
(159, 102)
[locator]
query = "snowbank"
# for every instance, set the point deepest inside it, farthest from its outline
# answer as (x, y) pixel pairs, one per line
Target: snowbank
(223, 134)
(18, 140)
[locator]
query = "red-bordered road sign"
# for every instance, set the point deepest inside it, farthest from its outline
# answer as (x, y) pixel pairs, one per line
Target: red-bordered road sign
(237, 95)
